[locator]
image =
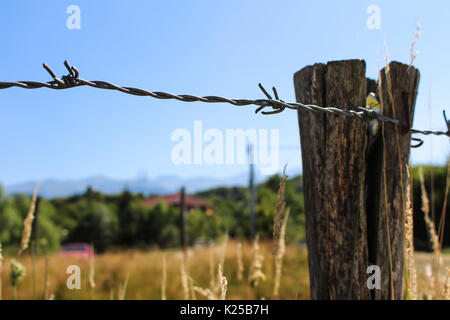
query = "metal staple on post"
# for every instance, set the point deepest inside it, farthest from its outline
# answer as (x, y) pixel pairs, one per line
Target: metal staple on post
(72, 80)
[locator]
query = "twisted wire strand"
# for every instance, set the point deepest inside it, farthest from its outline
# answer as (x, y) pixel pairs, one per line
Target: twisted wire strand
(72, 80)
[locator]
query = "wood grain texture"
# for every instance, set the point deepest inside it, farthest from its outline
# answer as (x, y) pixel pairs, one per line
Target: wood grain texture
(343, 178)
(333, 173)
(404, 81)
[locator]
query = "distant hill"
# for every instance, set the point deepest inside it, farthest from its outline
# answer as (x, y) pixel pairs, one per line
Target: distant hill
(52, 188)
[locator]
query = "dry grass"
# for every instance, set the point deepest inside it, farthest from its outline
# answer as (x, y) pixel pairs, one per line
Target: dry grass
(123, 287)
(223, 283)
(444, 208)
(145, 271)
(431, 228)
(411, 275)
(413, 52)
(164, 278)
(28, 222)
(1, 270)
(279, 231)
(46, 280)
(427, 278)
(256, 273)
(92, 269)
(240, 263)
(447, 286)
(434, 271)
(184, 277)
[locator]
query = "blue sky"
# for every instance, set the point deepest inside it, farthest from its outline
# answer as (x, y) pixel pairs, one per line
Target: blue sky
(193, 47)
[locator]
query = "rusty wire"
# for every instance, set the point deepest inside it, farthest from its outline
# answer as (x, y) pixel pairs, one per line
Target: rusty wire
(72, 80)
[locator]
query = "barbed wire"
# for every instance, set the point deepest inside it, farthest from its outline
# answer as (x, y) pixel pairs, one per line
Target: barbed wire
(277, 105)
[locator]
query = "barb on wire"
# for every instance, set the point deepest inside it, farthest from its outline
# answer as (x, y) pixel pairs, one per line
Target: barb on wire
(277, 109)
(419, 143)
(277, 105)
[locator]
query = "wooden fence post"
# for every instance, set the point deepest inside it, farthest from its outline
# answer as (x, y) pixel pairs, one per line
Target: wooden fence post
(399, 85)
(183, 233)
(342, 226)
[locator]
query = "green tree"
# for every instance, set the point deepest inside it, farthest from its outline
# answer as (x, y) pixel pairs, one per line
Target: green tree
(11, 223)
(98, 225)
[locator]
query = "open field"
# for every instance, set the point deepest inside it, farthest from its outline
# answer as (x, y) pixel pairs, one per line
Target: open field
(145, 270)
(427, 283)
(145, 274)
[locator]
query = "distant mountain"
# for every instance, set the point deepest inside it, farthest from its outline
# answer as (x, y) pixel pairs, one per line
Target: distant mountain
(52, 188)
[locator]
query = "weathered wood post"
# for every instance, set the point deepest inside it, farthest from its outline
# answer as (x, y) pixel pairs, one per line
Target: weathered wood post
(399, 86)
(343, 185)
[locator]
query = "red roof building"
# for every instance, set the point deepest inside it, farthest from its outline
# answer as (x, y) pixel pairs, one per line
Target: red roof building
(175, 200)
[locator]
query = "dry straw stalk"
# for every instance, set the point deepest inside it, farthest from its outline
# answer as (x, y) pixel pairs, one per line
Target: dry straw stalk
(255, 273)
(279, 231)
(184, 278)
(92, 268)
(123, 287)
(164, 278)
(278, 257)
(223, 283)
(240, 262)
(28, 222)
(411, 276)
(431, 228)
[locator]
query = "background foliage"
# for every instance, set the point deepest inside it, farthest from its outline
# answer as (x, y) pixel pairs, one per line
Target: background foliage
(120, 221)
